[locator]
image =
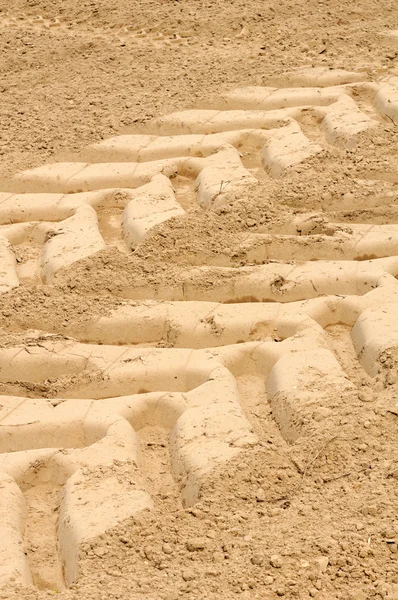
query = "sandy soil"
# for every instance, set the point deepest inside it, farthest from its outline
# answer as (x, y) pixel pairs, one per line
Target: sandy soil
(198, 351)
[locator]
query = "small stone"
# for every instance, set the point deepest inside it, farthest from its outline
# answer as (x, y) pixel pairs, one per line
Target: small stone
(389, 533)
(393, 547)
(313, 592)
(322, 563)
(260, 495)
(250, 222)
(275, 561)
(280, 591)
(366, 396)
(257, 559)
(268, 580)
(195, 544)
(167, 549)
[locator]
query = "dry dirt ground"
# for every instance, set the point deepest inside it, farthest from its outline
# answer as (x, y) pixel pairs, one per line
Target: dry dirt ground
(198, 316)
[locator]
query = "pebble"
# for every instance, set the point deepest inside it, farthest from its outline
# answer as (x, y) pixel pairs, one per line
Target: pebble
(280, 591)
(195, 544)
(257, 559)
(268, 580)
(276, 561)
(389, 533)
(260, 495)
(167, 549)
(366, 396)
(322, 563)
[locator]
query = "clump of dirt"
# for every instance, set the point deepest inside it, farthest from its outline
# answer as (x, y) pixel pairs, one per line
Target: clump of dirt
(48, 308)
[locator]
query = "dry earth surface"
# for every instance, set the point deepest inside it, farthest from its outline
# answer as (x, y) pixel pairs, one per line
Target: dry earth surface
(198, 299)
